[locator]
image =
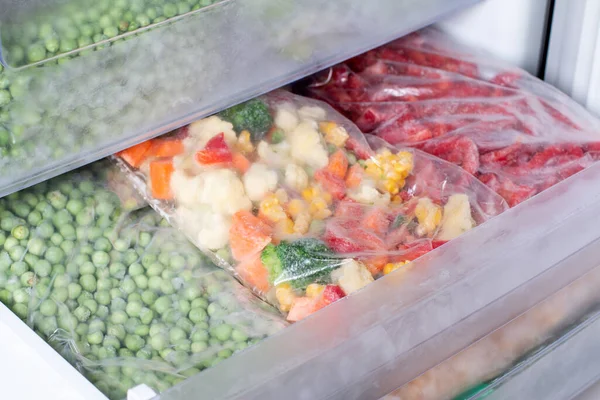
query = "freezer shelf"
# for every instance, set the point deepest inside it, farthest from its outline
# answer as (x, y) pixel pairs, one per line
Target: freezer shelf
(492, 362)
(564, 369)
(402, 325)
(73, 111)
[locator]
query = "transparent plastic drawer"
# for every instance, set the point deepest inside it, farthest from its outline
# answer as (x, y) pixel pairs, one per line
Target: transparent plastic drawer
(394, 330)
(94, 100)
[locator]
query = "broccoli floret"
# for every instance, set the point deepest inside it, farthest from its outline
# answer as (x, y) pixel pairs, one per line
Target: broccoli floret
(253, 116)
(299, 263)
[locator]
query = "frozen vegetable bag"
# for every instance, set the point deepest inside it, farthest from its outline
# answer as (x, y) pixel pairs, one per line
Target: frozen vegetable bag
(121, 295)
(512, 131)
(288, 195)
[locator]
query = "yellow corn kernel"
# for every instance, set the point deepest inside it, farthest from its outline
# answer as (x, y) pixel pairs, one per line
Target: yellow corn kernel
(285, 296)
(284, 227)
(244, 143)
(314, 290)
(428, 214)
(322, 214)
(391, 186)
(295, 207)
(334, 133)
(389, 267)
(272, 209)
(317, 204)
(302, 222)
(327, 197)
(309, 193)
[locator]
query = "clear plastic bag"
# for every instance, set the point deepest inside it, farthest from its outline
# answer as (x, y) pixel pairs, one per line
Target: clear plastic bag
(514, 132)
(290, 197)
(121, 295)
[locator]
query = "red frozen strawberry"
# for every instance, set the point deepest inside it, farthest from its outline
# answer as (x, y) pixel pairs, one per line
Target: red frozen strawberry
(216, 151)
(331, 294)
(331, 183)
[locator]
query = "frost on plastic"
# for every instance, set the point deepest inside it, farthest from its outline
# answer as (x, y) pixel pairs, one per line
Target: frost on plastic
(121, 295)
(289, 196)
(515, 133)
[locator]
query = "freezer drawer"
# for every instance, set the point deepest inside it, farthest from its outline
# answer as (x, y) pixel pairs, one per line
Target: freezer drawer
(118, 93)
(402, 325)
(25, 357)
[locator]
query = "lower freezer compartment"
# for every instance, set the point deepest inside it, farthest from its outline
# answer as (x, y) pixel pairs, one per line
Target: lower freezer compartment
(527, 358)
(117, 292)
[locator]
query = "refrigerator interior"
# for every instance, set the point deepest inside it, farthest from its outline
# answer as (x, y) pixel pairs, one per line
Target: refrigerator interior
(453, 309)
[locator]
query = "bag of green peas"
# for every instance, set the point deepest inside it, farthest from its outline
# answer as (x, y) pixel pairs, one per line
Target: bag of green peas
(119, 294)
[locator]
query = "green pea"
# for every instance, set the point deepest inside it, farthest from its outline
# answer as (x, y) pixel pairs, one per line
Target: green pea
(60, 294)
(136, 269)
(36, 53)
(155, 283)
(198, 347)
(4, 98)
(221, 332)
(200, 302)
(21, 296)
(67, 246)
(82, 313)
(169, 10)
(158, 342)
(19, 268)
(198, 315)
(10, 242)
(176, 334)
(162, 304)
(154, 269)
(88, 282)
(100, 259)
(54, 255)
(103, 297)
(103, 244)
(28, 279)
(97, 325)
(117, 331)
(134, 342)
(141, 330)
(149, 297)
(74, 290)
(91, 304)
(36, 246)
(95, 337)
(133, 309)
(21, 310)
(20, 232)
(118, 317)
(48, 308)
(141, 281)
(43, 268)
(56, 239)
(86, 267)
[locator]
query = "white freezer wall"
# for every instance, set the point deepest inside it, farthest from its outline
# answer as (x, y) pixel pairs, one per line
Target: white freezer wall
(512, 30)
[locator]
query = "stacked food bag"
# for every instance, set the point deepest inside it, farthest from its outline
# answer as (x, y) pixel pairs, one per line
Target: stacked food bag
(515, 133)
(290, 197)
(121, 295)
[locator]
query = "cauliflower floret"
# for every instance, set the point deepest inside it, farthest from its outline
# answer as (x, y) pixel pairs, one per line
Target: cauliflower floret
(224, 192)
(209, 229)
(312, 112)
(457, 217)
(185, 188)
(367, 193)
(307, 147)
(429, 216)
(205, 129)
(296, 177)
(259, 180)
(351, 276)
(286, 118)
(274, 154)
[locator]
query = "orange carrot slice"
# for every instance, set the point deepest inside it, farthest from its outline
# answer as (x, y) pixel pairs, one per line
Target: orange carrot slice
(302, 308)
(166, 147)
(355, 174)
(240, 162)
(338, 164)
(135, 155)
(248, 235)
(254, 273)
(160, 178)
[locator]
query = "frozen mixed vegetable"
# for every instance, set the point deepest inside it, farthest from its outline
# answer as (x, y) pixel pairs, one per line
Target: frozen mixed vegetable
(515, 133)
(290, 197)
(121, 295)
(29, 37)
